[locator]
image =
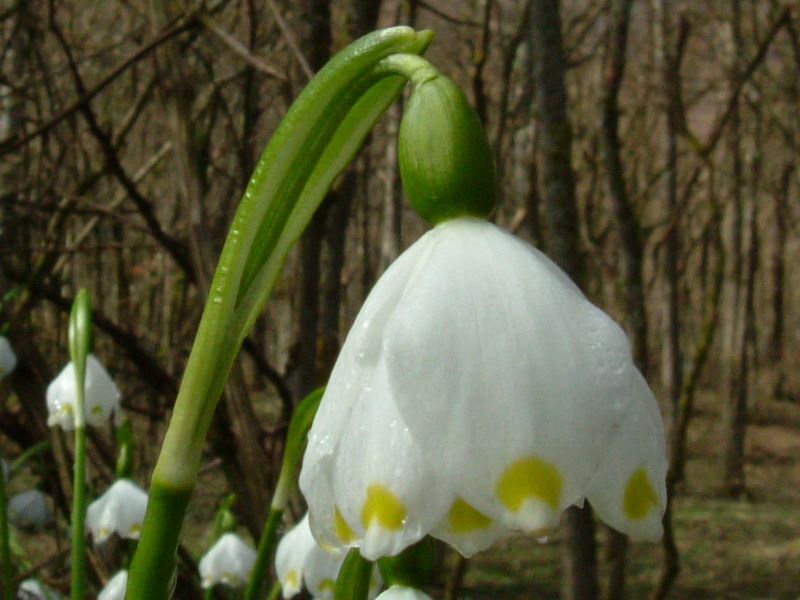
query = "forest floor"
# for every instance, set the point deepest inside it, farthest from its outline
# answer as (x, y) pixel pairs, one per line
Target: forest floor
(730, 549)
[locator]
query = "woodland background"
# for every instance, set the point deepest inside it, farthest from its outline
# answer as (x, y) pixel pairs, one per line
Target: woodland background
(650, 147)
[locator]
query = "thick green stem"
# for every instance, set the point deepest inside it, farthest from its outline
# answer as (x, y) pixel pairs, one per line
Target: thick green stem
(318, 136)
(265, 546)
(354, 577)
(154, 561)
(7, 589)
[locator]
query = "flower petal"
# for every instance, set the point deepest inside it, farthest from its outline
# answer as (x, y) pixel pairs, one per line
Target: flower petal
(519, 357)
(120, 510)
(101, 395)
(229, 561)
(628, 491)
(115, 588)
(401, 592)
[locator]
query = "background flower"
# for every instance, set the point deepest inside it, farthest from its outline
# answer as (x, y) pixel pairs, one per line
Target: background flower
(115, 588)
(8, 360)
(229, 561)
(120, 510)
(102, 396)
(301, 562)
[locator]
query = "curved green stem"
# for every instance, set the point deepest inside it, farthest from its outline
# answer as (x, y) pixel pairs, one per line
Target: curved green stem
(318, 136)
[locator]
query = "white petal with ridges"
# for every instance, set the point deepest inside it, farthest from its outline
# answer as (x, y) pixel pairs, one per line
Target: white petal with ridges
(628, 491)
(518, 357)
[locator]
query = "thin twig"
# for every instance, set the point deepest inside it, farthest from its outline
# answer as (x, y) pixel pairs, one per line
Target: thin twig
(288, 34)
(241, 50)
(184, 23)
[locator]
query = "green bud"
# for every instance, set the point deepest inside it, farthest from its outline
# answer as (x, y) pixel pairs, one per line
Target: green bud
(445, 161)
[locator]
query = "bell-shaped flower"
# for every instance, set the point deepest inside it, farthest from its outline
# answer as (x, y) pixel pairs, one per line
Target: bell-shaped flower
(30, 510)
(229, 561)
(478, 391)
(120, 510)
(101, 395)
(33, 589)
(401, 592)
(8, 360)
(300, 562)
(115, 588)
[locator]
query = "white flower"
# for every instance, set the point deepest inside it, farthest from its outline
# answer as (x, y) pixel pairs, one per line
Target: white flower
(30, 509)
(229, 561)
(120, 510)
(33, 589)
(401, 592)
(115, 588)
(478, 390)
(102, 396)
(8, 360)
(301, 562)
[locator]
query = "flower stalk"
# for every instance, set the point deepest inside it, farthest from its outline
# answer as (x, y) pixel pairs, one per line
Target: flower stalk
(302, 418)
(354, 577)
(80, 341)
(318, 136)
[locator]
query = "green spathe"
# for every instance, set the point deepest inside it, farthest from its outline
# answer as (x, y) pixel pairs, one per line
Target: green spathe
(445, 160)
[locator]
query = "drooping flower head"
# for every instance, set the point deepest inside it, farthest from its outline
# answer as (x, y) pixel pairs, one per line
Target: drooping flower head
(120, 510)
(102, 396)
(478, 390)
(115, 588)
(8, 360)
(229, 561)
(301, 562)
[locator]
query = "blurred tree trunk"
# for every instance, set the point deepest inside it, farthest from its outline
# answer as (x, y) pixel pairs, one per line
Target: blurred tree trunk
(775, 343)
(735, 373)
(562, 243)
(313, 29)
(669, 51)
(630, 241)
